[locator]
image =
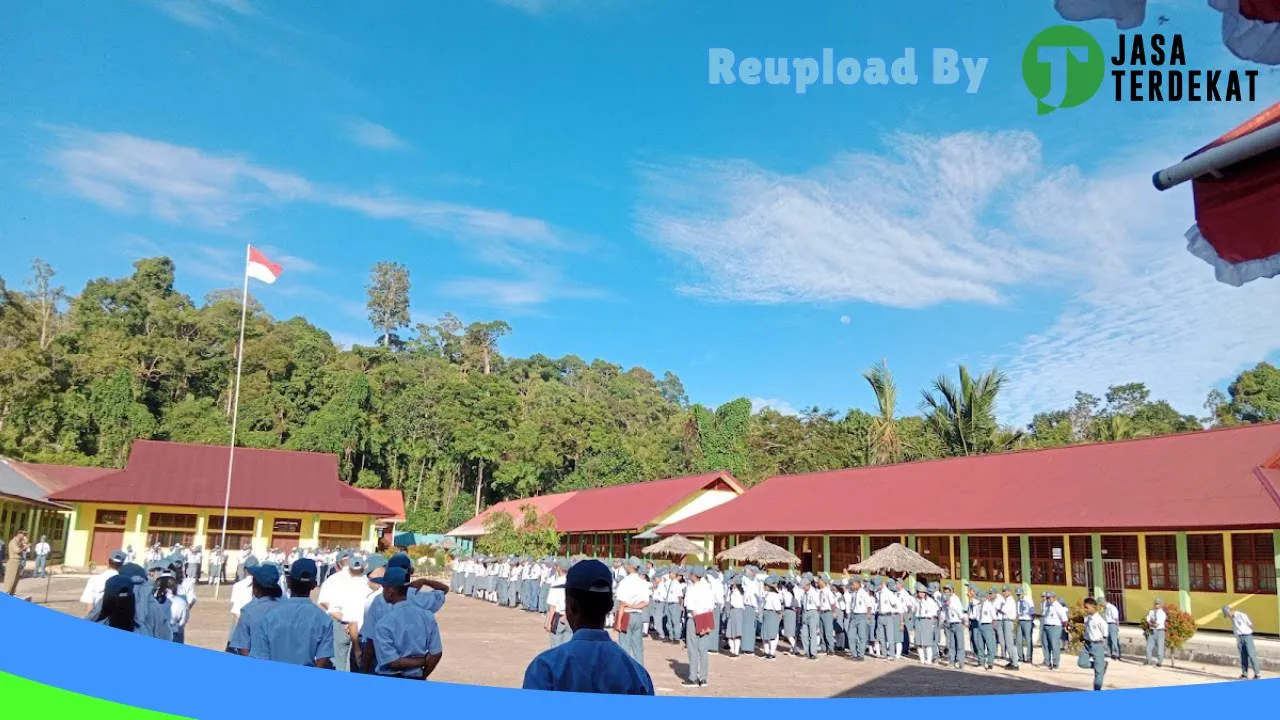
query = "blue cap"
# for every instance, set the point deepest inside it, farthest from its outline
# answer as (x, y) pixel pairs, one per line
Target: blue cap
(697, 571)
(250, 561)
(400, 560)
(393, 577)
(634, 562)
(590, 576)
(265, 576)
(1226, 610)
(374, 562)
(1019, 592)
(303, 569)
(133, 571)
(119, 585)
(357, 562)
(118, 557)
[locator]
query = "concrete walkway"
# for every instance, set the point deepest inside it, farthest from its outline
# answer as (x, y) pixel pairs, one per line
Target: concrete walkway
(1210, 647)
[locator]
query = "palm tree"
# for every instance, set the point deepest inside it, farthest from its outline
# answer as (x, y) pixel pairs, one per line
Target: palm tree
(963, 416)
(886, 443)
(1115, 427)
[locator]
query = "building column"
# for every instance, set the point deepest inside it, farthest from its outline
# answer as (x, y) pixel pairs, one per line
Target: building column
(826, 554)
(1024, 546)
(866, 548)
(964, 558)
(1099, 573)
(139, 532)
(1228, 565)
(1184, 573)
(791, 544)
(911, 545)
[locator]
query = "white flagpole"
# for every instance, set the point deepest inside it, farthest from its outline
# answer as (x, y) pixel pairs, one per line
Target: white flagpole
(235, 410)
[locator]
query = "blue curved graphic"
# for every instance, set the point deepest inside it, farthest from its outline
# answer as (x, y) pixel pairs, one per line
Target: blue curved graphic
(68, 653)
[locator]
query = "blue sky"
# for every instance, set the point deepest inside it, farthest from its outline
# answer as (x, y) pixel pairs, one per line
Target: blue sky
(565, 165)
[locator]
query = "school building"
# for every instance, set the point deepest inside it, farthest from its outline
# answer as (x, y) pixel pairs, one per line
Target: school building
(24, 500)
(1191, 519)
(617, 521)
(174, 493)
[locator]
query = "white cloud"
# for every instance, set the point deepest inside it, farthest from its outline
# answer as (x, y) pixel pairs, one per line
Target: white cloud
(779, 406)
(372, 135)
(532, 7)
(907, 229)
(845, 320)
(537, 288)
(204, 14)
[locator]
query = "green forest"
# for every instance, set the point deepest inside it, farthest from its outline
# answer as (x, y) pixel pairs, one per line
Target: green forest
(438, 411)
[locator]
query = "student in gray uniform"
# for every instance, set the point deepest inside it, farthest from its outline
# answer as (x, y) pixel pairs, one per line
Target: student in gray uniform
(557, 625)
(1156, 620)
(861, 617)
(1026, 626)
(1052, 624)
(1242, 628)
(812, 617)
(770, 616)
(953, 615)
(826, 614)
(266, 592)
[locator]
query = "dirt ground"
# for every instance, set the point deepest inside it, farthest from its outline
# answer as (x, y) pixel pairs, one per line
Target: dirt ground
(487, 645)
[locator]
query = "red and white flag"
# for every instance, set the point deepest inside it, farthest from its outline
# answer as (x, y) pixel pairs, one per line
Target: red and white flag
(1237, 228)
(1251, 29)
(260, 268)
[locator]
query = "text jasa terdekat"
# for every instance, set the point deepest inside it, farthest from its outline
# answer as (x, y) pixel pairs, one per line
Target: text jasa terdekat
(1154, 69)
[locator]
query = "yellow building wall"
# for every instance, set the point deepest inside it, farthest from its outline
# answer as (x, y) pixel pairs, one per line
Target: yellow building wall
(80, 534)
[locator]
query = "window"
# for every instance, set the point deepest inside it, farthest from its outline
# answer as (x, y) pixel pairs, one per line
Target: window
(1081, 560)
(935, 549)
(348, 528)
(1048, 561)
(171, 520)
(1205, 564)
(779, 540)
(287, 526)
(1162, 562)
(881, 542)
(986, 559)
(114, 518)
(1253, 559)
(845, 551)
(719, 544)
(239, 524)
(1125, 549)
(1014, 544)
(167, 538)
(635, 547)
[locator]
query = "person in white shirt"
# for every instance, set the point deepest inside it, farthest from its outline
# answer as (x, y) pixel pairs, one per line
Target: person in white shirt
(788, 629)
(1111, 614)
(1156, 620)
(718, 593)
(952, 613)
(751, 592)
(557, 625)
(97, 584)
(907, 603)
(770, 616)
(42, 550)
(241, 595)
(633, 597)
(811, 601)
(862, 615)
(675, 604)
(1095, 638)
(984, 612)
(1007, 612)
(826, 614)
(926, 621)
(1053, 620)
(733, 628)
(699, 606)
(1242, 628)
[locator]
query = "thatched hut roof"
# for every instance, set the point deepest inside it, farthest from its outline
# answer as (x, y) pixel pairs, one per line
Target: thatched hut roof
(759, 551)
(675, 546)
(898, 558)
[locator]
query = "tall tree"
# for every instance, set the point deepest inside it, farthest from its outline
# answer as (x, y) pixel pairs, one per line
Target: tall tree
(46, 297)
(388, 299)
(886, 444)
(1255, 394)
(963, 416)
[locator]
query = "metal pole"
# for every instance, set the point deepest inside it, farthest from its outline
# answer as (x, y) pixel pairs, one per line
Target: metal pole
(1219, 158)
(235, 410)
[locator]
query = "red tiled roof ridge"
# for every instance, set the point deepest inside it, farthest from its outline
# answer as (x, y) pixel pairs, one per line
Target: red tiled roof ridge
(711, 474)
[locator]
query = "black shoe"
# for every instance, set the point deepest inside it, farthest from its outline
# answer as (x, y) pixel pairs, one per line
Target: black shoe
(689, 684)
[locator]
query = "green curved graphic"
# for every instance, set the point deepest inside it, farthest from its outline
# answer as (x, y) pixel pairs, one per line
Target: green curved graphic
(46, 701)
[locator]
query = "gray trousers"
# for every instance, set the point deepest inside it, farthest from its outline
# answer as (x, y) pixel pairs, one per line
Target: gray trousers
(955, 643)
(341, 647)
(699, 655)
(1248, 655)
(1025, 645)
(713, 638)
(1155, 646)
(1052, 636)
(1113, 640)
(812, 633)
(1008, 628)
(861, 632)
(673, 621)
(658, 615)
(632, 641)
(986, 644)
(828, 629)
(1098, 652)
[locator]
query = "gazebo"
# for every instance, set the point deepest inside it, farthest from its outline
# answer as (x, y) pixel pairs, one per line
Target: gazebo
(676, 546)
(759, 551)
(898, 559)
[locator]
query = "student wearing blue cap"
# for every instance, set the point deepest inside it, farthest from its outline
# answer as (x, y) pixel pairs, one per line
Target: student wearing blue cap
(952, 614)
(1026, 627)
(1053, 622)
(117, 604)
(770, 617)
(1095, 640)
(296, 631)
(590, 662)
(426, 594)
(633, 596)
(266, 592)
(1242, 628)
(96, 586)
(556, 625)
(699, 606)
(407, 638)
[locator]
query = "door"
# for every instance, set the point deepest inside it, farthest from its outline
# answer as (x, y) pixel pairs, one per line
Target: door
(1113, 571)
(284, 543)
(105, 541)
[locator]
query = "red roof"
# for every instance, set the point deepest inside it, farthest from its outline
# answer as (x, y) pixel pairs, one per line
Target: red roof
(392, 500)
(55, 478)
(167, 473)
(1216, 479)
(543, 503)
(634, 506)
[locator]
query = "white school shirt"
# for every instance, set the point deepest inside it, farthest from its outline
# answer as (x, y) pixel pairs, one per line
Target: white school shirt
(1241, 624)
(1111, 614)
(788, 600)
(1055, 614)
(735, 598)
(826, 599)
(179, 612)
(660, 592)
(751, 592)
(812, 599)
(555, 598)
(842, 602)
(349, 599)
(906, 602)
(1007, 607)
(953, 608)
(96, 587)
(888, 601)
(633, 590)
(773, 601)
(861, 601)
(1095, 628)
(987, 612)
(42, 548)
(699, 598)
(504, 572)
(241, 594)
(331, 586)
(717, 590)
(1156, 618)
(675, 593)
(928, 609)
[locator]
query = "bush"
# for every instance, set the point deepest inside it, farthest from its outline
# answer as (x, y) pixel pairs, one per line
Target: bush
(1178, 628)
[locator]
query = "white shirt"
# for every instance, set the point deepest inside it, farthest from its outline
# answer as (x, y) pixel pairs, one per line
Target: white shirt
(1055, 614)
(826, 599)
(1007, 607)
(889, 602)
(42, 548)
(861, 601)
(633, 590)
(735, 598)
(349, 598)
(241, 594)
(675, 593)
(986, 612)
(812, 599)
(928, 609)
(717, 589)
(1111, 614)
(179, 612)
(954, 609)
(1156, 618)
(555, 598)
(331, 585)
(660, 593)
(751, 588)
(96, 587)
(1095, 628)
(1241, 624)
(773, 601)
(788, 600)
(699, 598)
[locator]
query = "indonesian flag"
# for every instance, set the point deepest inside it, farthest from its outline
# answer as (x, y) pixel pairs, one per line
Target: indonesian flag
(1251, 29)
(1128, 14)
(260, 268)
(1237, 228)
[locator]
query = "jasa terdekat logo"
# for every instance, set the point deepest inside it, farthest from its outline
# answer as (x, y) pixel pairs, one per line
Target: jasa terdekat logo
(1064, 66)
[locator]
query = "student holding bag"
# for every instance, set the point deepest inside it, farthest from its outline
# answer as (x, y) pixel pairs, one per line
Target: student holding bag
(1095, 642)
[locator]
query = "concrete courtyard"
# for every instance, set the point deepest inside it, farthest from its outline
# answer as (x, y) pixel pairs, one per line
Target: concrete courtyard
(487, 645)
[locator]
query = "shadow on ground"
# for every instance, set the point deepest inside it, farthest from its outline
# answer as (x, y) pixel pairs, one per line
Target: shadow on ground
(939, 681)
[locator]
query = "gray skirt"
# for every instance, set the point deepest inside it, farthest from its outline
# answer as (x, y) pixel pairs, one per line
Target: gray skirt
(769, 625)
(734, 628)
